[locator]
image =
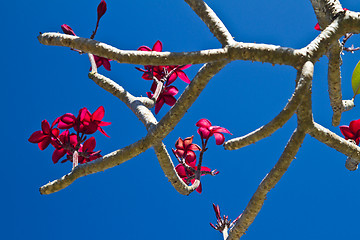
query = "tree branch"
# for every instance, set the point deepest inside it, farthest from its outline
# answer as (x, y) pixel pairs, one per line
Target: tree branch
(101, 164)
(139, 105)
(303, 84)
(336, 142)
(269, 182)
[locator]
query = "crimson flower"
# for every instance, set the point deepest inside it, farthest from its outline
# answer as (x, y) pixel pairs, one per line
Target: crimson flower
(166, 96)
(159, 72)
(206, 130)
(44, 136)
(177, 72)
(86, 122)
(352, 131)
(186, 174)
(185, 149)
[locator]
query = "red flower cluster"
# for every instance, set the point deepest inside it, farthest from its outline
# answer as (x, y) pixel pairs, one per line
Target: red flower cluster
(100, 61)
(188, 169)
(352, 131)
(164, 75)
(222, 223)
(70, 144)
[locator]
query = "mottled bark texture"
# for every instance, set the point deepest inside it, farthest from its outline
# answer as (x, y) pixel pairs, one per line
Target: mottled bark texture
(334, 21)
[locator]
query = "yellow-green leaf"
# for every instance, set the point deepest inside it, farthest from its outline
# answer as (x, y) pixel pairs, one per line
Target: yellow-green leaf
(355, 79)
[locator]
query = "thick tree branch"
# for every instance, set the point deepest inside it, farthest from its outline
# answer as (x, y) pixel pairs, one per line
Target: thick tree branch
(101, 164)
(269, 182)
(212, 21)
(237, 51)
(326, 11)
(336, 142)
(334, 82)
(304, 79)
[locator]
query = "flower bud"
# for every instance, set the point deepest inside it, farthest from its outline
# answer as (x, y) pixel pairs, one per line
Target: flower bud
(67, 29)
(101, 9)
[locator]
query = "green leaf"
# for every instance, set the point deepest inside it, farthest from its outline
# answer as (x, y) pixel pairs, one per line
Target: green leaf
(355, 79)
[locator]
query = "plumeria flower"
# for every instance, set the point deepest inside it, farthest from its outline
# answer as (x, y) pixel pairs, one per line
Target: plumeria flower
(44, 136)
(188, 176)
(206, 130)
(166, 96)
(177, 72)
(86, 122)
(185, 149)
(222, 223)
(159, 72)
(352, 131)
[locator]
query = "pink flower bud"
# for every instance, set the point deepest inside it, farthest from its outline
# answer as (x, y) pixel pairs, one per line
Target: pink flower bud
(67, 29)
(101, 9)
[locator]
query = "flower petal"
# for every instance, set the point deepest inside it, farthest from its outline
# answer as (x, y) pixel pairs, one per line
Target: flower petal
(317, 27)
(345, 130)
(37, 137)
(203, 123)
(45, 126)
(99, 113)
(157, 46)
(57, 154)
(217, 129)
(179, 144)
(180, 169)
(204, 132)
(169, 100)
(159, 105)
(89, 145)
(103, 132)
(144, 48)
(44, 143)
(355, 126)
(219, 138)
(183, 76)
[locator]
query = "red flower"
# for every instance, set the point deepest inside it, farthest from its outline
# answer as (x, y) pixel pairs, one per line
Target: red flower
(352, 131)
(185, 174)
(166, 96)
(159, 72)
(206, 130)
(222, 222)
(101, 9)
(44, 136)
(185, 149)
(67, 29)
(89, 123)
(85, 122)
(177, 72)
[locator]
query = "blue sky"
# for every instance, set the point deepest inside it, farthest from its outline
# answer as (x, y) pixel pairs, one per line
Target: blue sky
(316, 199)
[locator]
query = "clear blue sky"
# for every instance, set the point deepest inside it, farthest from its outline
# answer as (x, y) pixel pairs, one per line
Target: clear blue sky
(316, 199)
